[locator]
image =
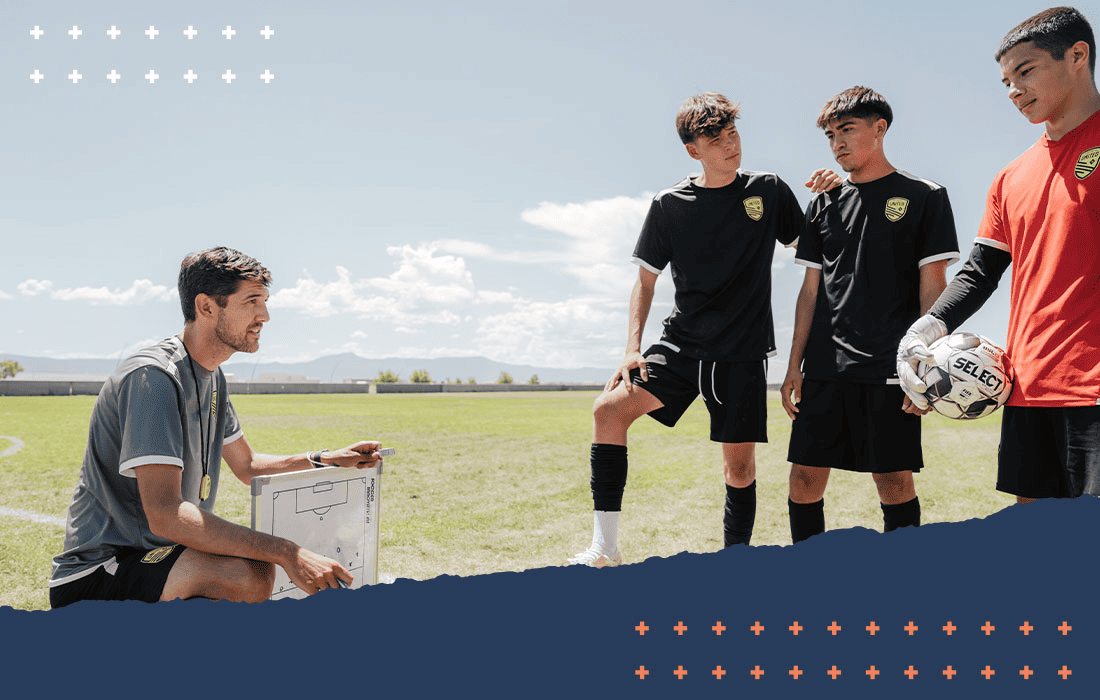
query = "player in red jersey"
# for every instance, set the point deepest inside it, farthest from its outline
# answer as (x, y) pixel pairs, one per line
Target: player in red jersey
(1043, 216)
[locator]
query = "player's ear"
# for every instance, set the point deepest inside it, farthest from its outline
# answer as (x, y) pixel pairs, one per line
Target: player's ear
(1078, 54)
(205, 306)
(692, 150)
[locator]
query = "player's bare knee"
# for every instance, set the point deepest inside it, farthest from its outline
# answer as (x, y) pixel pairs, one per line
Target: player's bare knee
(806, 484)
(259, 581)
(895, 487)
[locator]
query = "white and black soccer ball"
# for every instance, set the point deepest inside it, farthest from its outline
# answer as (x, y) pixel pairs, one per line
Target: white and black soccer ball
(971, 377)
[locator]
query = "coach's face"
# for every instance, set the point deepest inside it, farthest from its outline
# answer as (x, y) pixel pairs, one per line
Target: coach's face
(242, 318)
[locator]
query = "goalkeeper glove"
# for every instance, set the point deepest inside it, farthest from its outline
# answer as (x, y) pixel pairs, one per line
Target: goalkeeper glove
(912, 351)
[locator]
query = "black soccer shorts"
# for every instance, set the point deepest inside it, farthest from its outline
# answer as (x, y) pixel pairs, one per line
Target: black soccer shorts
(140, 575)
(1049, 452)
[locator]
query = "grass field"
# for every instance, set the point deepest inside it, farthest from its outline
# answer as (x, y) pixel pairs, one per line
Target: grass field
(489, 482)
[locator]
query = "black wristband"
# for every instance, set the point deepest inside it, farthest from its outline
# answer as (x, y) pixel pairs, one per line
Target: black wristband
(315, 459)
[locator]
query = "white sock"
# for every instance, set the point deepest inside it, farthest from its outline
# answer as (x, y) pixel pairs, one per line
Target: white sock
(605, 532)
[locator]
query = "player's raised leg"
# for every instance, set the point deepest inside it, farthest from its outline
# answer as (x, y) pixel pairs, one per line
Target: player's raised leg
(898, 496)
(739, 463)
(806, 503)
(200, 575)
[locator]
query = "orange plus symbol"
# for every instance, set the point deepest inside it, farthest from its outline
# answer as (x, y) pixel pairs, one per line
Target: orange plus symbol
(988, 672)
(834, 628)
(641, 627)
(1026, 628)
(1064, 628)
(1065, 673)
(833, 672)
(756, 672)
(719, 628)
(642, 672)
(795, 672)
(680, 672)
(988, 628)
(757, 628)
(680, 628)
(1026, 672)
(911, 672)
(872, 672)
(872, 628)
(911, 628)
(795, 628)
(718, 672)
(949, 672)
(950, 629)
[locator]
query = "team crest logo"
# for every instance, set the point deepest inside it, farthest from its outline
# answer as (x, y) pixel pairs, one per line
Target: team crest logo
(754, 207)
(896, 208)
(1086, 163)
(157, 555)
(214, 403)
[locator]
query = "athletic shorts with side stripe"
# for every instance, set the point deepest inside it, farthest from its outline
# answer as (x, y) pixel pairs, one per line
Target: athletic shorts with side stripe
(735, 392)
(855, 427)
(139, 575)
(1049, 451)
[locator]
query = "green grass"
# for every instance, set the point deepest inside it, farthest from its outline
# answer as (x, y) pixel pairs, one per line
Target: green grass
(489, 482)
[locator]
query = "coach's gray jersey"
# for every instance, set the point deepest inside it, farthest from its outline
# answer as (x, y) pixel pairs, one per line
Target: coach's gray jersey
(148, 412)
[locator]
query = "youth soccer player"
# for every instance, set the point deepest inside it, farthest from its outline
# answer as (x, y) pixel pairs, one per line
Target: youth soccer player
(875, 251)
(1042, 215)
(717, 231)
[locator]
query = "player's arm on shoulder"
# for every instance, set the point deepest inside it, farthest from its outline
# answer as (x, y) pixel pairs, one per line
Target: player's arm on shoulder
(247, 463)
(823, 180)
(791, 391)
(641, 301)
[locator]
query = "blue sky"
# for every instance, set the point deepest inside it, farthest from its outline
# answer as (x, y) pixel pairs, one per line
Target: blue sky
(453, 179)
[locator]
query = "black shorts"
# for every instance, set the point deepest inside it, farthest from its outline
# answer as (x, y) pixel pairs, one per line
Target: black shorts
(856, 427)
(140, 575)
(1049, 452)
(736, 393)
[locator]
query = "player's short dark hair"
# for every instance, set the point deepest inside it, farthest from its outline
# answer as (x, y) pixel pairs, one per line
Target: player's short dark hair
(216, 272)
(705, 115)
(1054, 31)
(859, 102)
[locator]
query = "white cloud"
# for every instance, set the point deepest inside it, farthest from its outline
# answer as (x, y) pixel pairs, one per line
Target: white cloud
(5, 295)
(563, 333)
(138, 292)
(32, 288)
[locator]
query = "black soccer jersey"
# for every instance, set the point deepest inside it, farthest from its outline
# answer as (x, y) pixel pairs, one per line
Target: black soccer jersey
(870, 240)
(720, 242)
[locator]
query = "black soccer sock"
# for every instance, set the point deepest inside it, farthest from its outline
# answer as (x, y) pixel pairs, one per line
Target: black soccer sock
(807, 519)
(608, 476)
(901, 515)
(740, 514)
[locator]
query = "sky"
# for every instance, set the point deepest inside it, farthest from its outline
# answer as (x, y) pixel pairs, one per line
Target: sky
(450, 179)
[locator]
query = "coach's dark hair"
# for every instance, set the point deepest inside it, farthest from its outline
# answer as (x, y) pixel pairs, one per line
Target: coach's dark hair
(216, 272)
(1054, 31)
(859, 102)
(708, 115)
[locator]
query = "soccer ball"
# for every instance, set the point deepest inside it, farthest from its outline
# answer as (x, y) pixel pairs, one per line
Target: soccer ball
(970, 377)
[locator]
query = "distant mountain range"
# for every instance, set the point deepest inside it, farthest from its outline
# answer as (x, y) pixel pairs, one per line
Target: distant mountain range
(332, 368)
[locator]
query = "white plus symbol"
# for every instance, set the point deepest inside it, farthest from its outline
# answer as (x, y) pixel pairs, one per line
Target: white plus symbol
(190, 32)
(151, 76)
(36, 76)
(228, 76)
(267, 32)
(113, 76)
(190, 76)
(75, 76)
(113, 32)
(152, 32)
(75, 32)
(37, 33)
(267, 76)
(229, 32)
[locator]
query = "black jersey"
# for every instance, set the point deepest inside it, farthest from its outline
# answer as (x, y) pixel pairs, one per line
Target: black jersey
(870, 240)
(720, 242)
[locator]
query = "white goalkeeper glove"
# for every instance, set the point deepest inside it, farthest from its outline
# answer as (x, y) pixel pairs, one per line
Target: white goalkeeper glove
(912, 351)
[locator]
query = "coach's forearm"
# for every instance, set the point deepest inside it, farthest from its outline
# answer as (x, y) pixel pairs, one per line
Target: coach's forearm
(189, 525)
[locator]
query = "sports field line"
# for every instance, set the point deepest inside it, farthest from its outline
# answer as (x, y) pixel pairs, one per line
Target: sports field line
(17, 445)
(33, 517)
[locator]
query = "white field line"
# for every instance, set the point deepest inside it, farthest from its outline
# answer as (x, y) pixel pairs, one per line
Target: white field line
(17, 445)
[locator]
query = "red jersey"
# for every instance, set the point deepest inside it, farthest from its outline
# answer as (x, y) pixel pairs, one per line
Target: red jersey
(1044, 210)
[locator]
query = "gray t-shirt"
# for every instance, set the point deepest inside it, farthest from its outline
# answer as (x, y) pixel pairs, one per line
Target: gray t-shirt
(153, 410)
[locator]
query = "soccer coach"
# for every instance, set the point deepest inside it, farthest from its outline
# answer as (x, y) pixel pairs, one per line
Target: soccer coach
(141, 525)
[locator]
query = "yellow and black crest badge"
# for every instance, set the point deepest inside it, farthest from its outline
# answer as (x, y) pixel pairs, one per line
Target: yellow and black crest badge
(157, 555)
(1086, 163)
(754, 207)
(214, 403)
(896, 208)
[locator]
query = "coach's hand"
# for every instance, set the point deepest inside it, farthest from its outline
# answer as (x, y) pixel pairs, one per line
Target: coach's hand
(312, 572)
(912, 351)
(823, 180)
(631, 361)
(792, 386)
(360, 455)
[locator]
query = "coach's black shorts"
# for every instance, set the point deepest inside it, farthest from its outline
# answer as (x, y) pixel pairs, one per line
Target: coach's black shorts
(1049, 452)
(736, 393)
(140, 575)
(856, 427)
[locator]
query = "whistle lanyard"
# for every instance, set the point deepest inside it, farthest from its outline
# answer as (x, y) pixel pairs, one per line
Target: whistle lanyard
(204, 449)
